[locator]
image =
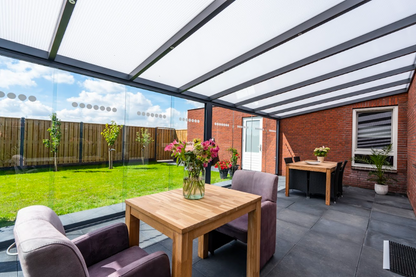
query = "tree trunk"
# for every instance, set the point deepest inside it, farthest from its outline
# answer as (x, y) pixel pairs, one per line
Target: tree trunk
(55, 162)
(110, 162)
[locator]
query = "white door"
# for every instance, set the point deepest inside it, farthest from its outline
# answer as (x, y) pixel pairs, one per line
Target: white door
(252, 140)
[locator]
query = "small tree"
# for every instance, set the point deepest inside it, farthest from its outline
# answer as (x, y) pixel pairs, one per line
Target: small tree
(110, 134)
(144, 138)
(55, 139)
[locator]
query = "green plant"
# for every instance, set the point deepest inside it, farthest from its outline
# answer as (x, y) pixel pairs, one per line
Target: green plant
(379, 160)
(321, 151)
(110, 134)
(234, 156)
(55, 139)
(144, 138)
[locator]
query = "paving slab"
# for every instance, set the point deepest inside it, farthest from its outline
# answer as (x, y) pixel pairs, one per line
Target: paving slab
(356, 221)
(340, 231)
(404, 232)
(375, 240)
(298, 218)
(398, 201)
(371, 264)
(394, 211)
(393, 219)
(290, 232)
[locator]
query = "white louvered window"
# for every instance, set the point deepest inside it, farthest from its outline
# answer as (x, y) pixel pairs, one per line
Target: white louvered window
(374, 128)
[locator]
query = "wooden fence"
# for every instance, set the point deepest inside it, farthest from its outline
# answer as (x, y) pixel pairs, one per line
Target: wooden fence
(21, 142)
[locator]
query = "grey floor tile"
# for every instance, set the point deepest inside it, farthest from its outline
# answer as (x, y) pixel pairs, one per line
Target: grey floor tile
(289, 231)
(356, 221)
(284, 203)
(332, 247)
(371, 264)
(309, 206)
(340, 231)
(404, 232)
(363, 194)
(345, 208)
(394, 201)
(393, 219)
(375, 240)
(301, 262)
(359, 203)
(298, 218)
(282, 249)
(394, 211)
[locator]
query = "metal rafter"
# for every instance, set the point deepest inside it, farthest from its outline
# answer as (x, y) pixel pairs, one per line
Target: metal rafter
(302, 28)
(338, 97)
(339, 87)
(64, 18)
(345, 70)
(200, 20)
(369, 98)
(383, 31)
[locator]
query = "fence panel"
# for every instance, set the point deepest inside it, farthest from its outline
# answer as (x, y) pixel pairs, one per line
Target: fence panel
(92, 146)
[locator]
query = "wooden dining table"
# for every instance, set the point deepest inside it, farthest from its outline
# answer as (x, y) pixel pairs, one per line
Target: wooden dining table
(183, 220)
(326, 167)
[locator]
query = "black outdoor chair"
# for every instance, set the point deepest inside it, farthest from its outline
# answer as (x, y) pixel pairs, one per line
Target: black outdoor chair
(317, 182)
(298, 179)
(296, 159)
(340, 179)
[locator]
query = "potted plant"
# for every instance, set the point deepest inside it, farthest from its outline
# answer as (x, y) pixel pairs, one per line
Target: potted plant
(321, 153)
(194, 157)
(234, 159)
(379, 161)
(223, 167)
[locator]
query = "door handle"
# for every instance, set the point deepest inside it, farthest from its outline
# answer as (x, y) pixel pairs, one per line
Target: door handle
(260, 147)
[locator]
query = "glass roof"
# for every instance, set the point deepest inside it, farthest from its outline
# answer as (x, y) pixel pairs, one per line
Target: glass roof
(273, 58)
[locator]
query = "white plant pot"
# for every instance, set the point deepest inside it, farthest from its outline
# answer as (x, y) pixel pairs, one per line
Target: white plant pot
(321, 159)
(381, 189)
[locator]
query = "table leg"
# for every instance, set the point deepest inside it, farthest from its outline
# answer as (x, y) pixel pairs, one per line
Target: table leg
(328, 188)
(181, 255)
(203, 246)
(253, 242)
(133, 226)
(287, 180)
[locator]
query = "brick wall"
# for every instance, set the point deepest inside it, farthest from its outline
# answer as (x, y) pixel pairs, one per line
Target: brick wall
(333, 128)
(227, 134)
(411, 145)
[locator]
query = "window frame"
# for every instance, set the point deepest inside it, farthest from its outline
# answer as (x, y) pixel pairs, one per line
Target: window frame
(367, 151)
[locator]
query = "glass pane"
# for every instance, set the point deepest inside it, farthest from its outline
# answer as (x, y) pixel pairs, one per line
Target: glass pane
(121, 35)
(31, 23)
(225, 37)
(252, 136)
(374, 129)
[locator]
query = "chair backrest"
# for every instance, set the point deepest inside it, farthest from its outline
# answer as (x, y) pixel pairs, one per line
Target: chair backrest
(341, 173)
(260, 183)
(42, 246)
(296, 159)
(288, 160)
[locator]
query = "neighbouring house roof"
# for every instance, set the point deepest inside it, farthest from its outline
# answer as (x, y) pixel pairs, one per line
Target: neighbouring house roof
(276, 59)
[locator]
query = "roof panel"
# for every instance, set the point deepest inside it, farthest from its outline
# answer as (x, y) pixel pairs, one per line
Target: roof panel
(341, 101)
(120, 35)
(346, 78)
(28, 22)
(367, 18)
(225, 37)
(341, 92)
(387, 44)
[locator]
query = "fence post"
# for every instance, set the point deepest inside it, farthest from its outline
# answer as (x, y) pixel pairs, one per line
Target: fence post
(122, 143)
(156, 143)
(81, 130)
(22, 140)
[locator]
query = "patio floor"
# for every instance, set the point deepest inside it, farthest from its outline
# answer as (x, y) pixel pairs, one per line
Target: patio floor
(344, 239)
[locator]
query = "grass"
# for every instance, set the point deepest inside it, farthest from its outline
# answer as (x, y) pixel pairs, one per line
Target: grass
(78, 188)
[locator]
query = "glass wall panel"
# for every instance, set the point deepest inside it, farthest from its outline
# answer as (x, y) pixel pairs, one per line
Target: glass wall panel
(110, 140)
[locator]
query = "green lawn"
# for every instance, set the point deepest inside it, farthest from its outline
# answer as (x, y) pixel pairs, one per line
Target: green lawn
(78, 188)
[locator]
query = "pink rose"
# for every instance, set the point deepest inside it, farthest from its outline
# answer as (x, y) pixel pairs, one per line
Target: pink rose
(169, 147)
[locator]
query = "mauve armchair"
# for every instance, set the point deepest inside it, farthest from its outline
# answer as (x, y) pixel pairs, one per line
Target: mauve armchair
(265, 185)
(45, 251)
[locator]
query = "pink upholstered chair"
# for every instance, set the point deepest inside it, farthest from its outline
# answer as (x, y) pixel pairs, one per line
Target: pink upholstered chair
(259, 183)
(45, 251)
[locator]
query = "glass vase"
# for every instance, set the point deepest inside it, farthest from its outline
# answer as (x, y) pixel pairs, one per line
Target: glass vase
(194, 184)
